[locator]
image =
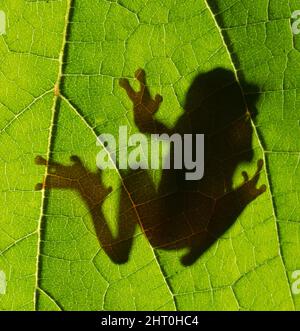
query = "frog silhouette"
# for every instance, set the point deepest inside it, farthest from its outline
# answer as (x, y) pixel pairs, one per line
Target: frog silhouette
(178, 214)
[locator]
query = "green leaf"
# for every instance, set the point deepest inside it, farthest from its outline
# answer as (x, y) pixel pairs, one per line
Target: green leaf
(61, 62)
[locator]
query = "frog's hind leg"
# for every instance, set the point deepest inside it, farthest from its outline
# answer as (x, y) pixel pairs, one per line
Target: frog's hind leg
(200, 243)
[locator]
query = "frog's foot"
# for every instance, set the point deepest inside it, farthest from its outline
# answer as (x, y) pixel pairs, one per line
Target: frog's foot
(250, 184)
(140, 75)
(39, 160)
(124, 82)
(76, 159)
(158, 99)
(39, 187)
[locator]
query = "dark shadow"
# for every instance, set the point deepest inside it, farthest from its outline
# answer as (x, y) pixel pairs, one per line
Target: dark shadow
(180, 213)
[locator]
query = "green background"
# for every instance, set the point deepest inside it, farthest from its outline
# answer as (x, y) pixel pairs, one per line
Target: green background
(48, 249)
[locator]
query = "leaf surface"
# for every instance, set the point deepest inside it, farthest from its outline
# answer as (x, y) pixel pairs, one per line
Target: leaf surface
(61, 62)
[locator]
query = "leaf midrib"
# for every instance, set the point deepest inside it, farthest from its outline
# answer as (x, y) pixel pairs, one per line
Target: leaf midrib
(50, 145)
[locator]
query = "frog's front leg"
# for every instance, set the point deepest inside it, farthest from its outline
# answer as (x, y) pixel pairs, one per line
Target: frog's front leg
(248, 189)
(144, 106)
(132, 94)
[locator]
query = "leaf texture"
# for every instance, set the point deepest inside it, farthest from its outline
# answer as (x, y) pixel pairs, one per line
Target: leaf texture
(61, 62)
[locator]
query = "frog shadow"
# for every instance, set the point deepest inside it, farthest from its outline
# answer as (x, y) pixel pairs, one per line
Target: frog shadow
(179, 213)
